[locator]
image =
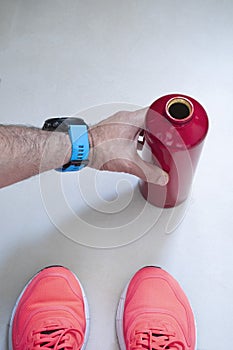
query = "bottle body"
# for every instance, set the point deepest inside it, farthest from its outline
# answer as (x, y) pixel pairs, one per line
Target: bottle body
(175, 129)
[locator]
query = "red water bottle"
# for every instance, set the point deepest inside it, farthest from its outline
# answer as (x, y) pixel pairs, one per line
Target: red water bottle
(175, 128)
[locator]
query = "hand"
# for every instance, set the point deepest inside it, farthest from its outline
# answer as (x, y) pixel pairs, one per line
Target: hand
(114, 147)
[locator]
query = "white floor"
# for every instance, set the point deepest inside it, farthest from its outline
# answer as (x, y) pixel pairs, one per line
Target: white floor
(62, 57)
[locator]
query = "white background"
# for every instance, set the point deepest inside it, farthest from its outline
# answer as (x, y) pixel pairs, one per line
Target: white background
(61, 57)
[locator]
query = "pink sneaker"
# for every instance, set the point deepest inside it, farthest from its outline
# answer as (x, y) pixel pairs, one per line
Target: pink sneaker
(50, 313)
(154, 313)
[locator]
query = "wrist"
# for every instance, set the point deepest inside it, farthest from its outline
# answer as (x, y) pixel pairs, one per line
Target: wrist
(95, 136)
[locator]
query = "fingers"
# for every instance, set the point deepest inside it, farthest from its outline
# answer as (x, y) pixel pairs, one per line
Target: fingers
(148, 172)
(114, 144)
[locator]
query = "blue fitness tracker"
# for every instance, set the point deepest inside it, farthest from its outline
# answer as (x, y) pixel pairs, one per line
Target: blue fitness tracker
(78, 133)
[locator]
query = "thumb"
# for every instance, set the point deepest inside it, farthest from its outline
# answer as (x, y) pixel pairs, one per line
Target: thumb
(148, 172)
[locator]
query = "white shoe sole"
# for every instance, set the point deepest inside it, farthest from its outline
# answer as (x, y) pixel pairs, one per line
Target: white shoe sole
(119, 319)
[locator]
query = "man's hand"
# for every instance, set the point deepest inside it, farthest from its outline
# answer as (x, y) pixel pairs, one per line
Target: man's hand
(114, 147)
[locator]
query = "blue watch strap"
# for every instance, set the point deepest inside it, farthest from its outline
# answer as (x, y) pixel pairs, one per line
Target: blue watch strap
(80, 145)
(80, 148)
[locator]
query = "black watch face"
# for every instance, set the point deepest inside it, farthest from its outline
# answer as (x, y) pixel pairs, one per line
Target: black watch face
(61, 124)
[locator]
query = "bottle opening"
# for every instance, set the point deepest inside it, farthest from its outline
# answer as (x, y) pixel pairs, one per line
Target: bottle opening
(179, 108)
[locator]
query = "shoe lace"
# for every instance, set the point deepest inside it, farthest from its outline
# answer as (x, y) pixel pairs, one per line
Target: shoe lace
(156, 339)
(56, 339)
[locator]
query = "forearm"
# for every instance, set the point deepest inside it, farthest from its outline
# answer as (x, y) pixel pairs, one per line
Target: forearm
(27, 151)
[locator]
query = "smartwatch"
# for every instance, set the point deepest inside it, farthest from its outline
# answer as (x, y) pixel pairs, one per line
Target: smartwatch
(78, 133)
